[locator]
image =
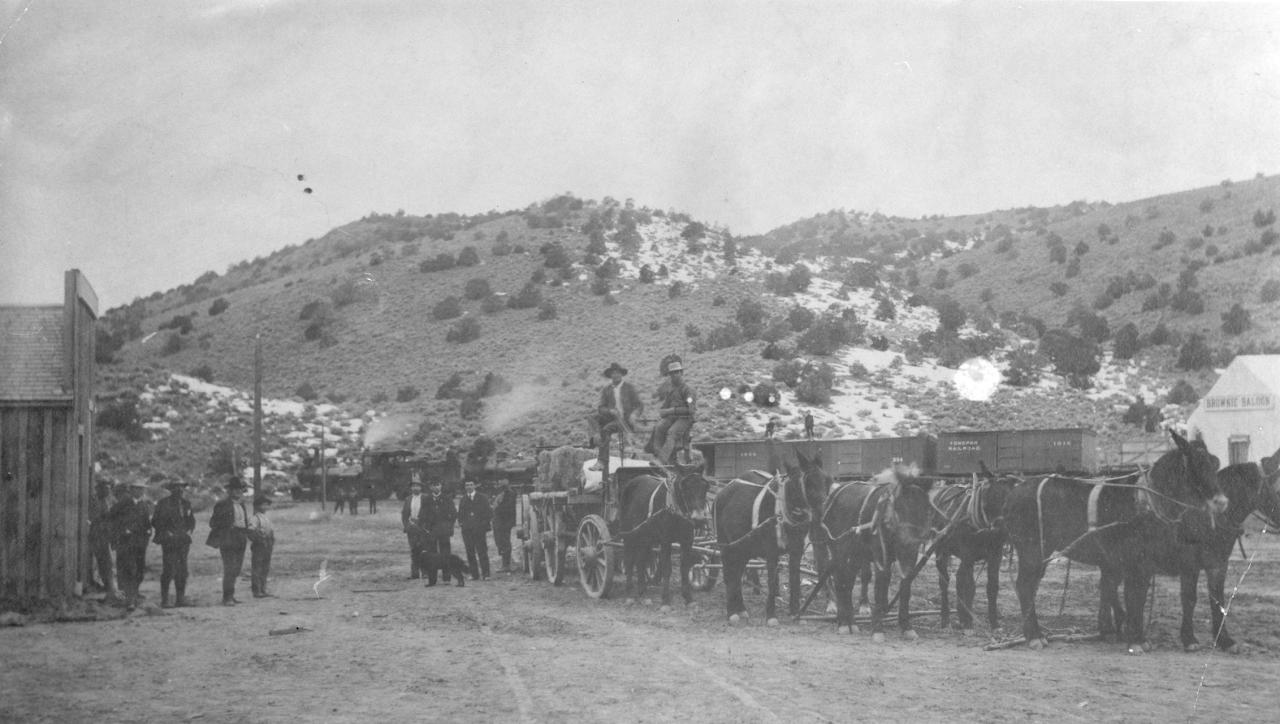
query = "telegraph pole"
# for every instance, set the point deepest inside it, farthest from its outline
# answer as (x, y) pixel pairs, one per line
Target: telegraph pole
(324, 474)
(257, 415)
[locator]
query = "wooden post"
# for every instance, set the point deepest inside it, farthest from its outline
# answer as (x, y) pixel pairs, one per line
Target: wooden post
(324, 474)
(257, 416)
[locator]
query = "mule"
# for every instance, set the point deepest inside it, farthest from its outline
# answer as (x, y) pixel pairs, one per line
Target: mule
(750, 523)
(877, 522)
(1248, 492)
(1115, 524)
(661, 512)
(974, 531)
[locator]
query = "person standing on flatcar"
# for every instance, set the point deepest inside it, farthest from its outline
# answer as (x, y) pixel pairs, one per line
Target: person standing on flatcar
(616, 412)
(504, 519)
(808, 424)
(474, 516)
(174, 522)
(438, 516)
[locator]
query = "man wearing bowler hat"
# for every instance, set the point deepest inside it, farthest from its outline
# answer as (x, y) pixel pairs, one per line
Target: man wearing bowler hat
(229, 533)
(174, 522)
(619, 406)
(131, 521)
(438, 516)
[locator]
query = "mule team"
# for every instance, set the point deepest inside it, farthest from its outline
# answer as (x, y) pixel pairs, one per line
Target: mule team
(1181, 516)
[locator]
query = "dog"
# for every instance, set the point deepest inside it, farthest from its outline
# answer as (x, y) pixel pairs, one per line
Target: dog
(449, 564)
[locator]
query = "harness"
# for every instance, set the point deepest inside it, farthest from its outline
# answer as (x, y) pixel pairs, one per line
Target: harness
(784, 518)
(881, 506)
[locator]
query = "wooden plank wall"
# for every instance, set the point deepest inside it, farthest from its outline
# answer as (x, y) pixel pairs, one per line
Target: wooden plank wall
(35, 553)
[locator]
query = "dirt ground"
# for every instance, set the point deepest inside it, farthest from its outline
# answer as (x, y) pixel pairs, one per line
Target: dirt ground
(376, 646)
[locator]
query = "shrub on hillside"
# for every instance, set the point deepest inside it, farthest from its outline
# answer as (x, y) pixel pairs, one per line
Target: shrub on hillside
(951, 315)
(493, 384)
(547, 310)
(676, 289)
(600, 286)
(800, 318)
(646, 274)
(885, 310)
(407, 393)
(1260, 219)
(447, 308)
(181, 322)
(1058, 288)
(1073, 268)
(1092, 326)
(765, 395)
(218, 307)
(940, 279)
(724, 336)
(172, 344)
(827, 335)
(1188, 301)
(476, 289)
(1194, 354)
(316, 309)
(554, 255)
(441, 262)
(814, 389)
(123, 417)
(750, 317)
(1127, 342)
(464, 330)
(1182, 394)
(788, 372)
(1235, 320)
(1270, 291)
(529, 297)
(305, 391)
(450, 388)
(1074, 357)
(468, 256)
(1024, 367)
(203, 372)
(778, 351)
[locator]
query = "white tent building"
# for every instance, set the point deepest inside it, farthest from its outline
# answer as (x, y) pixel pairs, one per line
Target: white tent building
(1239, 419)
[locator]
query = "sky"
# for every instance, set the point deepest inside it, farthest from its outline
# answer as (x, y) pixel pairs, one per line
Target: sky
(146, 143)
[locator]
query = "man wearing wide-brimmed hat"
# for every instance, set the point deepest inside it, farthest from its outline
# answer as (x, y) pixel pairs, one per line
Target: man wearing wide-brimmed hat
(675, 415)
(174, 522)
(229, 533)
(412, 523)
(131, 521)
(101, 536)
(619, 406)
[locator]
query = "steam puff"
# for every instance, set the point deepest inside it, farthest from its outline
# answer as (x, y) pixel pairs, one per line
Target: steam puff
(504, 410)
(400, 426)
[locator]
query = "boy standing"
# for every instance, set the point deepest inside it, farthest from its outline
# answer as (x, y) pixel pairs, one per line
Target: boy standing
(262, 540)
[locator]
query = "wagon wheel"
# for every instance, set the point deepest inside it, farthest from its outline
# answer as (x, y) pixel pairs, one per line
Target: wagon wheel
(595, 557)
(531, 546)
(701, 576)
(553, 546)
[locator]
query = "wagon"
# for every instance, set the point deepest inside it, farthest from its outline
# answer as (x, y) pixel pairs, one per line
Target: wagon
(563, 531)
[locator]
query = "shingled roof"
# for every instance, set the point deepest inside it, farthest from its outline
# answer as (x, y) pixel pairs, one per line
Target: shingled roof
(31, 354)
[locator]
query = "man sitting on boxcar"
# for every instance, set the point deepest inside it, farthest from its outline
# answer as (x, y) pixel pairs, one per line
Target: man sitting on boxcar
(676, 416)
(619, 406)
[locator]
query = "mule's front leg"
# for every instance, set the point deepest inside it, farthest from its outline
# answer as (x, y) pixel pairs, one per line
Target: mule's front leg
(771, 580)
(1108, 604)
(664, 571)
(1217, 579)
(686, 565)
(1136, 585)
(880, 603)
(734, 563)
(907, 564)
(943, 564)
(993, 590)
(1030, 571)
(965, 589)
(795, 556)
(843, 576)
(1189, 581)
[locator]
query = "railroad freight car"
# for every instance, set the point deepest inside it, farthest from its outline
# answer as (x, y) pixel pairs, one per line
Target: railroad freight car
(844, 459)
(1068, 450)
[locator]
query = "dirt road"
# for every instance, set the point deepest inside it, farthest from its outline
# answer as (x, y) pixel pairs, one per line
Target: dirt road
(377, 647)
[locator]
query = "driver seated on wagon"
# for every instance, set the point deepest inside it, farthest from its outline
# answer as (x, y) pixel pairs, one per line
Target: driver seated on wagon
(618, 408)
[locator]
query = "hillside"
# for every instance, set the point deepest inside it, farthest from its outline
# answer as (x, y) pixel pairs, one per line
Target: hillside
(361, 328)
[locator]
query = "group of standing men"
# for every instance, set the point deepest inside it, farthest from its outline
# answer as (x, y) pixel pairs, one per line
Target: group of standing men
(128, 524)
(428, 521)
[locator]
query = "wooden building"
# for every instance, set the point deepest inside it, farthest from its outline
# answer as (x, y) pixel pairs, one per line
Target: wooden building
(1239, 418)
(46, 444)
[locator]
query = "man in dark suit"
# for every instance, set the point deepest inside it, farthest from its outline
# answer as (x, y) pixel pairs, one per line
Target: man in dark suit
(131, 521)
(504, 519)
(229, 533)
(101, 536)
(619, 406)
(411, 521)
(438, 515)
(474, 515)
(173, 522)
